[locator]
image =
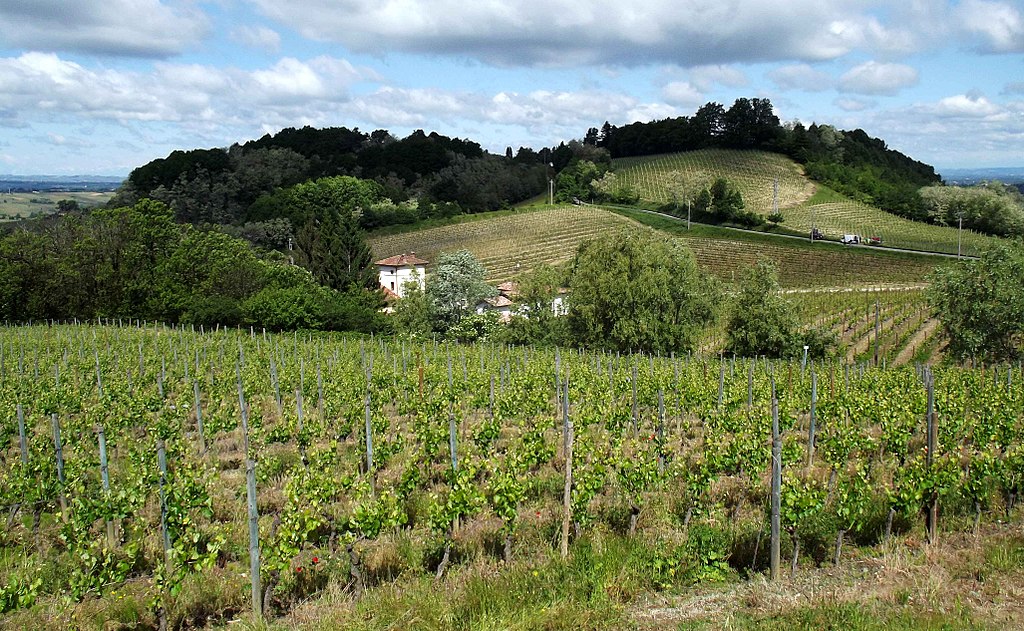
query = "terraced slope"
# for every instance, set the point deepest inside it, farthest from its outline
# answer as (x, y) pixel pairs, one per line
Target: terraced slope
(802, 202)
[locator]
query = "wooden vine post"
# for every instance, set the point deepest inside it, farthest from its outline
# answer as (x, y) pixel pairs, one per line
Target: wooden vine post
(250, 495)
(567, 493)
(813, 420)
(932, 517)
(776, 521)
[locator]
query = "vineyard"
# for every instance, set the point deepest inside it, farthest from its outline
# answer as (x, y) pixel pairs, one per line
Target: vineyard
(509, 245)
(170, 477)
(802, 203)
(754, 173)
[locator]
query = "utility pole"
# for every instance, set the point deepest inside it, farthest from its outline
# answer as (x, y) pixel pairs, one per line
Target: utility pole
(551, 184)
(775, 197)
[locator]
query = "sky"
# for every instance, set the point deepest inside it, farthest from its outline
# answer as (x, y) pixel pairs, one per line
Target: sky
(104, 86)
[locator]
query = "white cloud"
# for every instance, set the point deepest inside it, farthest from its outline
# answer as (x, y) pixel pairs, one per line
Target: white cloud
(705, 77)
(682, 93)
(546, 116)
(854, 105)
(616, 32)
(876, 78)
(132, 28)
(966, 106)
(973, 130)
(259, 37)
(998, 26)
(801, 77)
(43, 86)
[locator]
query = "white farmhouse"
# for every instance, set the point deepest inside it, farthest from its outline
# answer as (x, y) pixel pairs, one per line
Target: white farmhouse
(395, 271)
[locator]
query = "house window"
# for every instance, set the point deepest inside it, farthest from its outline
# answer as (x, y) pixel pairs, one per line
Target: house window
(392, 285)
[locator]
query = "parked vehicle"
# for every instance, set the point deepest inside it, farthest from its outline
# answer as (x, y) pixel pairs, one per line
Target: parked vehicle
(875, 240)
(850, 239)
(817, 235)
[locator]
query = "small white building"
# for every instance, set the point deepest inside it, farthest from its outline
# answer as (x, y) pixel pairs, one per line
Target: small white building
(395, 271)
(499, 304)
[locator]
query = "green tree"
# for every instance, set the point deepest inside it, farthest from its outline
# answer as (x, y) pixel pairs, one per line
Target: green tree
(636, 290)
(727, 201)
(455, 288)
(333, 247)
(981, 304)
(762, 321)
(537, 323)
(413, 314)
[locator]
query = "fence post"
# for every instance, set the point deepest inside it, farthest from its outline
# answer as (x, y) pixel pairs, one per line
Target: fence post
(369, 444)
(161, 458)
(23, 438)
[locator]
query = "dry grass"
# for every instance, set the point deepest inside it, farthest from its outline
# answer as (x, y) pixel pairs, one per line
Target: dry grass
(955, 578)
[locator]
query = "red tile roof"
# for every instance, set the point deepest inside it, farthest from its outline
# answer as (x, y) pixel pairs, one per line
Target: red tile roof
(498, 301)
(401, 260)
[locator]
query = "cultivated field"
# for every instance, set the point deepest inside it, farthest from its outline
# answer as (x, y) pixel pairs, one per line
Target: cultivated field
(801, 202)
(22, 205)
(508, 244)
(552, 236)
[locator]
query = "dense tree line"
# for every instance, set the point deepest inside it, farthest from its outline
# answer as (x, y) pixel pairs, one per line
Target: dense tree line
(990, 207)
(137, 262)
(423, 171)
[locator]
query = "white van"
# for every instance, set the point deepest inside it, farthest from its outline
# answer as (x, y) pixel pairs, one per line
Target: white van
(850, 239)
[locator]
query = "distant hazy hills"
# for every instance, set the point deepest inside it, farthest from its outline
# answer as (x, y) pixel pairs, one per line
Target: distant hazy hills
(1010, 175)
(57, 183)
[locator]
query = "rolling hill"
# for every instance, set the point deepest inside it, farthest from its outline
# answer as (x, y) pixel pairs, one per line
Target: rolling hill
(802, 202)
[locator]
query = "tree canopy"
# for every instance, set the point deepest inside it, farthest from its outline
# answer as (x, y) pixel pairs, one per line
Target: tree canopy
(455, 287)
(136, 262)
(981, 304)
(634, 290)
(762, 321)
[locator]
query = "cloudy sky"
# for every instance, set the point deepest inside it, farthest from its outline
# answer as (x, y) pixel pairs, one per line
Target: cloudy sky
(103, 86)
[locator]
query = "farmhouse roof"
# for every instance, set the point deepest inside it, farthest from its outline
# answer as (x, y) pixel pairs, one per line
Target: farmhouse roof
(401, 260)
(509, 288)
(389, 294)
(498, 301)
